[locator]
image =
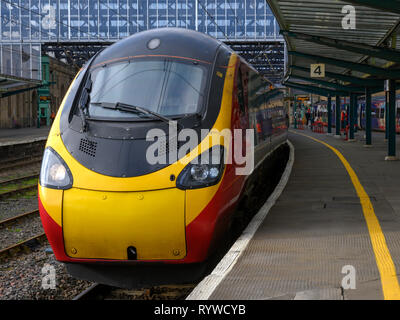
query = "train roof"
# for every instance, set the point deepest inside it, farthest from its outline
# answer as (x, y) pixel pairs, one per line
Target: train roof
(171, 42)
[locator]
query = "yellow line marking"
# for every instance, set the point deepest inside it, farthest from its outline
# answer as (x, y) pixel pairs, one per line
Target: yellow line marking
(384, 261)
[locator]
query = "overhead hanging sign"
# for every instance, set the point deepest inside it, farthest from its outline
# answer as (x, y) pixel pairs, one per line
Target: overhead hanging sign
(386, 85)
(317, 70)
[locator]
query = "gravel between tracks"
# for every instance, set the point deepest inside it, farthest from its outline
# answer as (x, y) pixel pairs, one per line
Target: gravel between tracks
(21, 278)
(12, 207)
(22, 229)
(20, 172)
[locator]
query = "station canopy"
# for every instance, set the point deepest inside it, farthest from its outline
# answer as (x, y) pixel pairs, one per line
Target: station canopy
(10, 85)
(357, 41)
(20, 68)
(72, 31)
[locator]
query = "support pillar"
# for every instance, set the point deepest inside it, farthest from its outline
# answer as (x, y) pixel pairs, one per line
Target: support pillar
(44, 94)
(329, 114)
(386, 114)
(338, 116)
(391, 121)
(355, 113)
(368, 126)
(295, 112)
(351, 116)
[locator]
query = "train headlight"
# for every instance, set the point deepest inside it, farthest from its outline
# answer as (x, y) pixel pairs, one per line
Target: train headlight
(54, 172)
(204, 171)
(199, 172)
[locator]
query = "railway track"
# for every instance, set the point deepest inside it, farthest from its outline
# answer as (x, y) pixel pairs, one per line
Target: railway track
(19, 162)
(94, 292)
(12, 220)
(22, 190)
(24, 245)
(18, 179)
(98, 291)
(15, 189)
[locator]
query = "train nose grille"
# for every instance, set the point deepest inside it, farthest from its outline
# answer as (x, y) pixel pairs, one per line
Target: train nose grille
(88, 147)
(165, 146)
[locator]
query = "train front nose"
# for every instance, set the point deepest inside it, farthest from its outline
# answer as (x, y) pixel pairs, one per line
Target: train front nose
(148, 225)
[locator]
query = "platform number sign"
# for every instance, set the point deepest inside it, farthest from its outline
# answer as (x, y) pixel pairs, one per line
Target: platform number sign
(317, 70)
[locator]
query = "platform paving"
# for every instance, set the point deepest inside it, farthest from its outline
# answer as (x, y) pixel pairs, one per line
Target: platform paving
(23, 135)
(317, 227)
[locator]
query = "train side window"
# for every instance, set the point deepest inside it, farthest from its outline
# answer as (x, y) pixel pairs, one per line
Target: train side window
(382, 114)
(240, 92)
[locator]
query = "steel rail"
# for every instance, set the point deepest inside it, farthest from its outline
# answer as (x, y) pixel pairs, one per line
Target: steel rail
(93, 292)
(19, 179)
(17, 191)
(16, 218)
(21, 245)
(8, 166)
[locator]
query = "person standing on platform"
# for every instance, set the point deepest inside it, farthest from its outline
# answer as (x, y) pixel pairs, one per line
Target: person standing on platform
(343, 119)
(52, 116)
(308, 116)
(312, 117)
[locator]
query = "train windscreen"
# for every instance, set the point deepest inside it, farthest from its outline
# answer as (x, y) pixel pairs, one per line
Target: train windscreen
(163, 85)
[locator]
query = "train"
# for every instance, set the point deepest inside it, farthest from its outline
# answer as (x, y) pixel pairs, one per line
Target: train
(112, 215)
(378, 112)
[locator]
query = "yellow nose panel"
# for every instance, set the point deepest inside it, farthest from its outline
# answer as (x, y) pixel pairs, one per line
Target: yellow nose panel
(102, 225)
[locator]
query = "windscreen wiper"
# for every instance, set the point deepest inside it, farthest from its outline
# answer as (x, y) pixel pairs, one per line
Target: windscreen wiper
(84, 101)
(131, 108)
(85, 95)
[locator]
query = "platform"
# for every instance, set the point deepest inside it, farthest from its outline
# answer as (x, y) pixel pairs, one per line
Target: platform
(318, 226)
(22, 135)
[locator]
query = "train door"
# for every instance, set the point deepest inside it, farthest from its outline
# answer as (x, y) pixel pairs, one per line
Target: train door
(240, 122)
(242, 96)
(362, 115)
(398, 115)
(381, 116)
(359, 113)
(382, 109)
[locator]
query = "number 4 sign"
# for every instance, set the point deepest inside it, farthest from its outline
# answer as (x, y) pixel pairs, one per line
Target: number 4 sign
(317, 70)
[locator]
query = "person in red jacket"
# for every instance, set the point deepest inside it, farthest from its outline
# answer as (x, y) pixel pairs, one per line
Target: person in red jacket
(52, 116)
(343, 119)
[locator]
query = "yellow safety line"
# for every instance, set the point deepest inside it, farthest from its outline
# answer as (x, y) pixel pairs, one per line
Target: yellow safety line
(384, 261)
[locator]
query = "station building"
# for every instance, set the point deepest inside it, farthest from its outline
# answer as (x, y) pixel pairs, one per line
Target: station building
(71, 31)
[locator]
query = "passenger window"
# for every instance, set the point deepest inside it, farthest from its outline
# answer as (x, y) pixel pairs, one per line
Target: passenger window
(240, 92)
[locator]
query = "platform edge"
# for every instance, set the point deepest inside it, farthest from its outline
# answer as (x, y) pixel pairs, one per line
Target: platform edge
(208, 285)
(26, 141)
